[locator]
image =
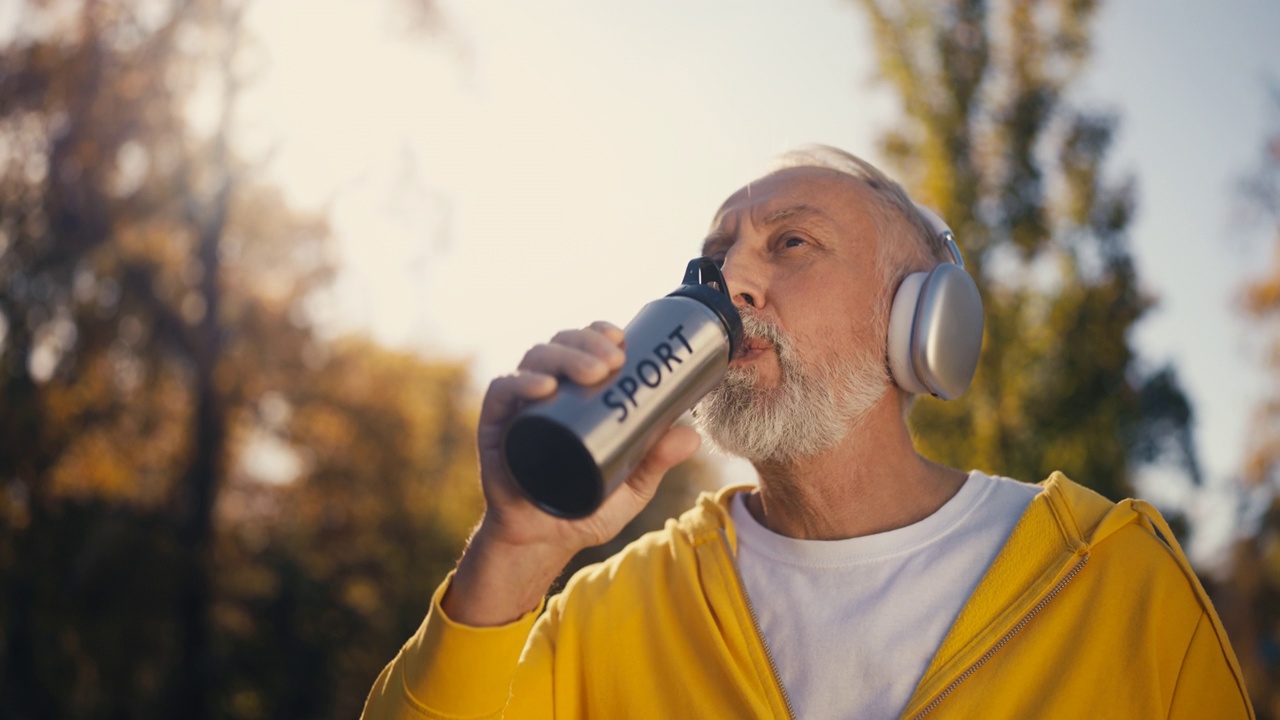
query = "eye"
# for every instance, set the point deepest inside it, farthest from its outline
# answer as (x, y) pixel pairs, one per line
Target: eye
(792, 241)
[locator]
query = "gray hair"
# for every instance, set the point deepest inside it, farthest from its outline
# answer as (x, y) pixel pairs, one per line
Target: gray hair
(888, 199)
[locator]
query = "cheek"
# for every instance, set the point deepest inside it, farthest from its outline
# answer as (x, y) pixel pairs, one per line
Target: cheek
(831, 311)
(867, 307)
(842, 326)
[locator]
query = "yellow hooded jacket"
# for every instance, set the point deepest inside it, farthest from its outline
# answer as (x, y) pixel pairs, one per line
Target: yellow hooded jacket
(1089, 611)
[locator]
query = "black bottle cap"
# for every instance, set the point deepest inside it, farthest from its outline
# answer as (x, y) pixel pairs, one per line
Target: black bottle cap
(704, 282)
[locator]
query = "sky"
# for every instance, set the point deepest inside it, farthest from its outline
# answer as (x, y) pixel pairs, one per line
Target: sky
(529, 167)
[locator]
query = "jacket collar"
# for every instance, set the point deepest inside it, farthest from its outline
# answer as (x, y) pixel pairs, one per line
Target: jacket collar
(1065, 514)
(1055, 534)
(710, 515)
(1060, 525)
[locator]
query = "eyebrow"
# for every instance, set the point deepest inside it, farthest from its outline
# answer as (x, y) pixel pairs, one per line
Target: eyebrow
(774, 218)
(714, 240)
(795, 211)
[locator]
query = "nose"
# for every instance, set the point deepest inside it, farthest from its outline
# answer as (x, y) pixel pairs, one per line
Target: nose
(745, 282)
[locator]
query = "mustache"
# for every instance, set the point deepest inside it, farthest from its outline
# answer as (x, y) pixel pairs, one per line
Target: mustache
(754, 326)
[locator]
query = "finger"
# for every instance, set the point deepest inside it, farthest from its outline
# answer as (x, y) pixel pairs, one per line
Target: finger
(594, 343)
(609, 330)
(562, 360)
(505, 394)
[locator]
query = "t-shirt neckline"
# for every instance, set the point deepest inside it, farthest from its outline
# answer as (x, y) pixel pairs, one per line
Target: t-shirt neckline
(868, 548)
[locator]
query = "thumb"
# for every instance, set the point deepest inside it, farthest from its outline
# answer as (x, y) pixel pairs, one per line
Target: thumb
(676, 446)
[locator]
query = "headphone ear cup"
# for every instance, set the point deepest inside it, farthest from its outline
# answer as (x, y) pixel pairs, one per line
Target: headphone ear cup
(935, 332)
(902, 318)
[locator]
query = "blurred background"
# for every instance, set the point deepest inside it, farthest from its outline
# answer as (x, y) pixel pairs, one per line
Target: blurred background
(258, 259)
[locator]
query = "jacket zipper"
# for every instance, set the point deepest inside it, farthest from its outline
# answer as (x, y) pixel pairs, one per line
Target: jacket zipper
(1003, 641)
(755, 623)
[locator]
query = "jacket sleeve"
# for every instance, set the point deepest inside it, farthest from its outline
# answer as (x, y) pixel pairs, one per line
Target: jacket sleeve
(1209, 683)
(448, 670)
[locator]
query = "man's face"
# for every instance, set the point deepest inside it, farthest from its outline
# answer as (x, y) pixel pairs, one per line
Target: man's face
(800, 251)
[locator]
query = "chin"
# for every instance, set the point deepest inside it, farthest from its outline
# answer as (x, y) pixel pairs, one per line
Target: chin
(784, 418)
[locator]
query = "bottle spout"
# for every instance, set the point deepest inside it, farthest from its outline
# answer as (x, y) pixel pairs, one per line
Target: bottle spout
(704, 282)
(704, 271)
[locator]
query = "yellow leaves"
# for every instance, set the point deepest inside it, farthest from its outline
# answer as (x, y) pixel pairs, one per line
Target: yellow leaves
(63, 404)
(361, 595)
(159, 241)
(1271, 559)
(325, 430)
(1263, 441)
(249, 704)
(121, 444)
(94, 465)
(1261, 297)
(1260, 302)
(387, 445)
(246, 580)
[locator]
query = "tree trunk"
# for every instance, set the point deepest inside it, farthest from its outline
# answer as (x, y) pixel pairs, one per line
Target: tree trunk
(196, 674)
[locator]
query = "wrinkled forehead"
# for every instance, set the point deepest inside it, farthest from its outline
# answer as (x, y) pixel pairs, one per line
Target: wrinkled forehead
(807, 185)
(834, 194)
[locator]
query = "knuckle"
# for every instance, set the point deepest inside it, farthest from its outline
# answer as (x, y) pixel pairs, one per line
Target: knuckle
(564, 337)
(498, 387)
(589, 362)
(532, 356)
(605, 327)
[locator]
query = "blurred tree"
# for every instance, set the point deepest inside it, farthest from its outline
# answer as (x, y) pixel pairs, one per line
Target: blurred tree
(1261, 303)
(1249, 596)
(154, 334)
(108, 304)
(351, 503)
(988, 139)
(115, 220)
(207, 509)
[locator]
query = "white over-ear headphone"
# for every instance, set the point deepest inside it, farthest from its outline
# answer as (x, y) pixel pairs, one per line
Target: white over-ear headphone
(935, 325)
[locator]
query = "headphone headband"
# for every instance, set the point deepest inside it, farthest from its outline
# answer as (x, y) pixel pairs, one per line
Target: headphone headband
(942, 232)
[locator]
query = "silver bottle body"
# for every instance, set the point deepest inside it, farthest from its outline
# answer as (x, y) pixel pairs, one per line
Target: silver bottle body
(573, 450)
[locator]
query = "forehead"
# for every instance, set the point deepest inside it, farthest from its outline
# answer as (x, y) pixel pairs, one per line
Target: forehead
(809, 190)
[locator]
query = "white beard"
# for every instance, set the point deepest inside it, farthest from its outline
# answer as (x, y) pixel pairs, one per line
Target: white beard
(811, 411)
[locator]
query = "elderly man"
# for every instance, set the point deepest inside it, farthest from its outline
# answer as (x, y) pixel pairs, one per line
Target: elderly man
(858, 579)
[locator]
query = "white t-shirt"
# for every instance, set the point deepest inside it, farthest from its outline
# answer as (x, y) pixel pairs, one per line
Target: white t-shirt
(853, 624)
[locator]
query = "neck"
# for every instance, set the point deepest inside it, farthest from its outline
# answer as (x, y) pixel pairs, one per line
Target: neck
(871, 482)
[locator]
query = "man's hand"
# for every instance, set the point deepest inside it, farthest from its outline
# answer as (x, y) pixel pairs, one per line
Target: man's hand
(518, 550)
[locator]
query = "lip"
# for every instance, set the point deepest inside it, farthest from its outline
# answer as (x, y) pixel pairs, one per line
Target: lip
(753, 348)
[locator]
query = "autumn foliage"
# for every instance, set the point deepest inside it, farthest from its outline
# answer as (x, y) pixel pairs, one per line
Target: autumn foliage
(206, 508)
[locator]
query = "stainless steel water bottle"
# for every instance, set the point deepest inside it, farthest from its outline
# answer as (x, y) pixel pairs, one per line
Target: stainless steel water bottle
(570, 451)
